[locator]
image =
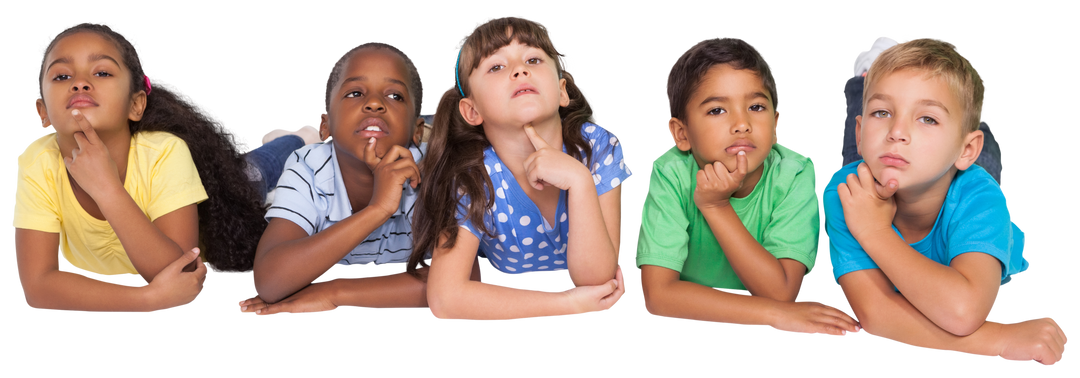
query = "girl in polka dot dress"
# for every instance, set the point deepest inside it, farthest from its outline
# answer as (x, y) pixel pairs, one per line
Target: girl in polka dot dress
(516, 173)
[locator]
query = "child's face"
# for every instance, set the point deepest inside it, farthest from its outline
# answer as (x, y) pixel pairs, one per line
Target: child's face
(371, 100)
(84, 71)
(911, 129)
(517, 85)
(730, 111)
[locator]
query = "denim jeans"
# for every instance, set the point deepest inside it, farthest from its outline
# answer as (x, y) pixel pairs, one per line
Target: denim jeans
(266, 163)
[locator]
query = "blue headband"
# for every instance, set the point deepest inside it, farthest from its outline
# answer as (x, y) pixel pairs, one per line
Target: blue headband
(457, 72)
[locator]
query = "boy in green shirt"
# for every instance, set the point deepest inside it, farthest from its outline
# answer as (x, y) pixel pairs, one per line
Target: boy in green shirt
(727, 206)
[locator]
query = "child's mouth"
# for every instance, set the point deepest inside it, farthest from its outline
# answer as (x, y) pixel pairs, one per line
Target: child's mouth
(740, 146)
(81, 101)
(524, 89)
(373, 127)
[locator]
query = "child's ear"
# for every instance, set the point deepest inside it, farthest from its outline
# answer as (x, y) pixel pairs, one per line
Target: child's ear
(858, 134)
(419, 130)
(324, 127)
(469, 113)
(43, 113)
(970, 151)
(678, 132)
(564, 98)
(776, 123)
(138, 106)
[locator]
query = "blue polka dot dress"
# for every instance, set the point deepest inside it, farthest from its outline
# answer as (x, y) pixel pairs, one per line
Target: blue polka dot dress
(524, 241)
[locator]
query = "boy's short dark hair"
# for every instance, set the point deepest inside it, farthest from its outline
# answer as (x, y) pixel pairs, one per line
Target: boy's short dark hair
(416, 90)
(687, 72)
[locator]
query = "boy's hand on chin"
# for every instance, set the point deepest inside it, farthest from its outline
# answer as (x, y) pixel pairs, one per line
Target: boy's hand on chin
(391, 172)
(868, 205)
(715, 184)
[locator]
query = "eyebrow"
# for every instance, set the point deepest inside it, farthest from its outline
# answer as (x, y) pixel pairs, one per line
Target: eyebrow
(926, 102)
(364, 78)
(751, 95)
(93, 58)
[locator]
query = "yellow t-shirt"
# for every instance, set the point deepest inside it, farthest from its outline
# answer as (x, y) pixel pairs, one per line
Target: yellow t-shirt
(161, 178)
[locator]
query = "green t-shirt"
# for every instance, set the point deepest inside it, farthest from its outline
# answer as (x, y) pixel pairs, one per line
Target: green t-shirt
(781, 213)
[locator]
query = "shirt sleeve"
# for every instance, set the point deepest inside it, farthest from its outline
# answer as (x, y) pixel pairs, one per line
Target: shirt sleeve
(294, 197)
(462, 217)
(982, 224)
(174, 181)
(36, 204)
(845, 252)
(792, 231)
(663, 239)
(608, 166)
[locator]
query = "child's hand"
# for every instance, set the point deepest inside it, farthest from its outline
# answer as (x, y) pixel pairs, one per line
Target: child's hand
(812, 317)
(390, 172)
(715, 184)
(598, 297)
(550, 166)
(1041, 340)
(90, 164)
(173, 287)
(868, 205)
(313, 298)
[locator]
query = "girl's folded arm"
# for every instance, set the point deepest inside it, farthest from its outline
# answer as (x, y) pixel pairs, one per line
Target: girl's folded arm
(151, 246)
(46, 287)
(593, 245)
(451, 293)
(288, 259)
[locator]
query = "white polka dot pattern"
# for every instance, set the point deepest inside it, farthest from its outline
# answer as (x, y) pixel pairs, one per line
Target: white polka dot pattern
(521, 237)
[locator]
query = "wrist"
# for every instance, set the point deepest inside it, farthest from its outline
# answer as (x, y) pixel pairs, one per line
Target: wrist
(380, 213)
(988, 340)
(150, 298)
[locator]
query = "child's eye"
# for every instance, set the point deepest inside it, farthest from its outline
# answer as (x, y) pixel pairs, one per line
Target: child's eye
(61, 77)
(757, 108)
(880, 114)
(102, 74)
(533, 61)
(717, 111)
(496, 68)
(396, 97)
(354, 94)
(928, 120)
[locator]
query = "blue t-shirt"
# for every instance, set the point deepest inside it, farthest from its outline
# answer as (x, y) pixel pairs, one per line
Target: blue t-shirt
(524, 241)
(973, 218)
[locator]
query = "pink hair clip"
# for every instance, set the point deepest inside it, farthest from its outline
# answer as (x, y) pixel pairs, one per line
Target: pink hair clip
(146, 79)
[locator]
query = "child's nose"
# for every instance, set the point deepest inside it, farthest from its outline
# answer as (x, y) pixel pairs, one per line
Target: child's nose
(742, 123)
(80, 84)
(522, 70)
(899, 133)
(374, 105)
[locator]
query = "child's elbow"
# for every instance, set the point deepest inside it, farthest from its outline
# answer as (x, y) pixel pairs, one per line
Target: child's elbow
(440, 305)
(962, 321)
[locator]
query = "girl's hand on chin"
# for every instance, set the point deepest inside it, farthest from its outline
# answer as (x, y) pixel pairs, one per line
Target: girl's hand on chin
(550, 166)
(91, 165)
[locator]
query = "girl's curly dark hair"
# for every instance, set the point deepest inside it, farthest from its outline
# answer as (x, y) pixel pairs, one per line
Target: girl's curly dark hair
(231, 219)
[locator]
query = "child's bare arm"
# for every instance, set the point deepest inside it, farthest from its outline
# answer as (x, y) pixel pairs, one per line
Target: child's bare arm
(957, 297)
(452, 294)
(45, 286)
(151, 246)
(288, 259)
(762, 273)
(667, 295)
(884, 312)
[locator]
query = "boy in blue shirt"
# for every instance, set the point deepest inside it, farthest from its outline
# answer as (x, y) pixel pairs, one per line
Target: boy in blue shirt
(920, 238)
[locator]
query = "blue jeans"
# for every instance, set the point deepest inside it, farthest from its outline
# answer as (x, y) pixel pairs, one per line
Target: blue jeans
(266, 163)
(989, 158)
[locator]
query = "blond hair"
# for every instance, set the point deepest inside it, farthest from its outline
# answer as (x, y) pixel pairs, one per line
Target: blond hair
(939, 60)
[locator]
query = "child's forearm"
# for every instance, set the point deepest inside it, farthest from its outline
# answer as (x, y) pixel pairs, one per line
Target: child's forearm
(149, 248)
(956, 298)
(760, 271)
(68, 291)
(886, 313)
(675, 298)
(292, 259)
(591, 253)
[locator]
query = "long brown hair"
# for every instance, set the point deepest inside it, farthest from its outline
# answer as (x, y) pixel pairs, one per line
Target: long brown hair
(454, 165)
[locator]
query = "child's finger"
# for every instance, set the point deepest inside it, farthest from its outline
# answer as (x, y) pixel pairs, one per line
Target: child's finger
(369, 154)
(185, 259)
(282, 306)
(537, 142)
(740, 165)
(85, 127)
(887, 190)
(250, 304)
